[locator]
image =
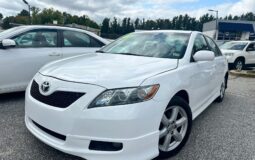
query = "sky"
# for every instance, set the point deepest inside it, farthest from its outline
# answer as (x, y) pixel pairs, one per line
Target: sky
(149, 9)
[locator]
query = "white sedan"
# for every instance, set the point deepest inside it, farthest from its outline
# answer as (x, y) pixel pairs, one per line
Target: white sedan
(240, 54)
(135, 100)
(24, 50)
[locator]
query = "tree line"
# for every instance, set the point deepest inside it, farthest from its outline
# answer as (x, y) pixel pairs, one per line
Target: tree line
(47, 16)
(113, 27)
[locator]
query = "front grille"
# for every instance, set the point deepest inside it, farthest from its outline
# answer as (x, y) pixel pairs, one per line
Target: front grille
(60, 99)
(52, 133)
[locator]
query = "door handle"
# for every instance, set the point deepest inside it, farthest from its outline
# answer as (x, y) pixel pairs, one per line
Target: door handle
(55, 54)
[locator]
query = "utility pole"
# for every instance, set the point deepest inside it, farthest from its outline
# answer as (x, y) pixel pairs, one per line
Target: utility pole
(29, 9)
(217, 22)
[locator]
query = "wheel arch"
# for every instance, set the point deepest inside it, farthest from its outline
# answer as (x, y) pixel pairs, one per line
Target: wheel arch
(240, 57)
(183, 94)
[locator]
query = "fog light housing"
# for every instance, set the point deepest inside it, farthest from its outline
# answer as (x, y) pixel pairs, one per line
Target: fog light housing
(105, 146)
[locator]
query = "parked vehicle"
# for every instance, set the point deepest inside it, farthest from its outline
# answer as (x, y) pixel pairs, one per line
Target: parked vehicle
(240, 54)
(135, 100)
(24, 50)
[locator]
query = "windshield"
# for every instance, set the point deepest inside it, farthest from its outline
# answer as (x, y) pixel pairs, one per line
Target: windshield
(234, 45)
(8, 31)
(150, 44)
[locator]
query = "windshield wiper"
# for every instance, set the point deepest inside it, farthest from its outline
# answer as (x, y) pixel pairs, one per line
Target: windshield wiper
(100, 51)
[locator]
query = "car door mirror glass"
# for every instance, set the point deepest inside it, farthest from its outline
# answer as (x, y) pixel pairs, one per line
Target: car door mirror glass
(8, 43)
(204, 55)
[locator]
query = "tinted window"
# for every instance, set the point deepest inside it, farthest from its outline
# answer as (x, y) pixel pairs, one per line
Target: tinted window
(151, 44)
(213, 47)
(78, 39)
(251, 47)
(37, 38)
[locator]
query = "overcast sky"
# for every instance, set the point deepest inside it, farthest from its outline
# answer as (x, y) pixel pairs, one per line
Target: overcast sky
(149, 9)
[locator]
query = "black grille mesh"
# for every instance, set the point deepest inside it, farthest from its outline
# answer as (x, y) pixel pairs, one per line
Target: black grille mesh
(60, 99)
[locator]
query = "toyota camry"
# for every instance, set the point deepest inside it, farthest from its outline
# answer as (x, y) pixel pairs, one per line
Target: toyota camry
(133, 100)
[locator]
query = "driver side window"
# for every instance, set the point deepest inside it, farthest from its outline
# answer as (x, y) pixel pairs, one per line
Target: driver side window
(36, 39)
(199, 44)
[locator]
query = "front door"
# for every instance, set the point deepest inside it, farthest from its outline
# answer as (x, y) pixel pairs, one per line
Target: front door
(202, 78)
(33, 49)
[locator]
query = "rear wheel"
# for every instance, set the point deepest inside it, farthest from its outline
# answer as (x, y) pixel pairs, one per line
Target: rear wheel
(222, 91)
(175, 127)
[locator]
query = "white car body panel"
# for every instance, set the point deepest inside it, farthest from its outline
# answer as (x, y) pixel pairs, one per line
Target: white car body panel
(134, 125)
(98, 69)
(19, 65)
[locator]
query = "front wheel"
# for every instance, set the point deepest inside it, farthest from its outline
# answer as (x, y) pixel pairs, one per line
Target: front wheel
(239, 64)
(174, 128)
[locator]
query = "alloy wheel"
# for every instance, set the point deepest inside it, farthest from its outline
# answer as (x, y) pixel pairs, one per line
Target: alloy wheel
(173, 128)
(223, 89)
(239, 65)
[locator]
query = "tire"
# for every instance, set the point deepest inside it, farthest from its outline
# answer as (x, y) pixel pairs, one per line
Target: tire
(239, 64)
(169, 128)
(222, 91)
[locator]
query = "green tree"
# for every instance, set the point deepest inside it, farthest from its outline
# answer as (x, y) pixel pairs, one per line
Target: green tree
(137, 23)
(23, 13)
(35, 15)
(105, 26)
(1, 16)
(7, 22)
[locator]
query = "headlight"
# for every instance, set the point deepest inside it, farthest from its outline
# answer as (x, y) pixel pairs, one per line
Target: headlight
(124, 96)
(229, 54)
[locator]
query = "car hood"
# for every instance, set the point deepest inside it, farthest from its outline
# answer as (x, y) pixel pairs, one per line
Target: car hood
(229, 51)
(108, 70)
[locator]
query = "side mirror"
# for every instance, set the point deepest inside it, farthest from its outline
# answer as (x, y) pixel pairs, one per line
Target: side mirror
(204, 56)
(7, 43)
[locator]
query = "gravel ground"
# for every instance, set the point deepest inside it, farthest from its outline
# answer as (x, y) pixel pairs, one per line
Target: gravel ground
(223, 131)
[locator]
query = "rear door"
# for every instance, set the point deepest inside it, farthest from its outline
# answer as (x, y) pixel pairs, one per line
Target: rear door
(250, 54)
(77, 43)
(33, 49)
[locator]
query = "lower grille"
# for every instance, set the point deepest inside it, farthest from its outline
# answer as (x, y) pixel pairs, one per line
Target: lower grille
(60, 99)
(52, 133)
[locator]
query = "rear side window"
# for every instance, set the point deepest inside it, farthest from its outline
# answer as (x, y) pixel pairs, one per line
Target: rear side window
(78, 39)
(251, 47)
(213, 47)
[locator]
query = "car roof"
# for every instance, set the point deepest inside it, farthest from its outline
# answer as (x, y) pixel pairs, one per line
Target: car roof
(50, 27)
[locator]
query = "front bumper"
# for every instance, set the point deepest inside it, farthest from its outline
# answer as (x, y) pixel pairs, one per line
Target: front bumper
(230, 59)
(135, 126)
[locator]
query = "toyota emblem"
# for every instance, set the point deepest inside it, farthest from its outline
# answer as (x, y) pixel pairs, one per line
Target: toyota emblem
(45, 87)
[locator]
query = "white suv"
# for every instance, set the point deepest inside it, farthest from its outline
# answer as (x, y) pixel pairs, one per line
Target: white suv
(239, 54)
(133, 101)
